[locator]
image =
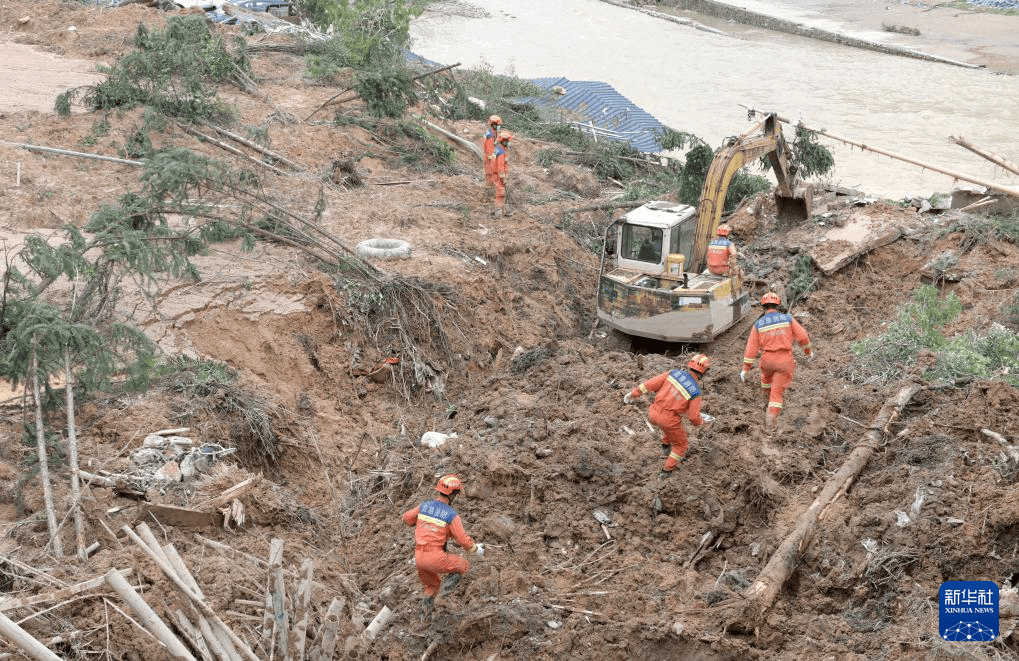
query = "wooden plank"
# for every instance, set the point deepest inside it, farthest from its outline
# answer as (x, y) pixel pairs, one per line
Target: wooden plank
(178, 516)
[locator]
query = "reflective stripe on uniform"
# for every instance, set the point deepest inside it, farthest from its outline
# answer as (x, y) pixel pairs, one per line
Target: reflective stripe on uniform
(432, 520)
(678, 386)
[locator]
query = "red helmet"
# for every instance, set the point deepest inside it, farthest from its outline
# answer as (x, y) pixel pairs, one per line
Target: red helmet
(699, 363)
(505, 136)
(495, 119)
(448, 484)
(723, 230)
(771, 298)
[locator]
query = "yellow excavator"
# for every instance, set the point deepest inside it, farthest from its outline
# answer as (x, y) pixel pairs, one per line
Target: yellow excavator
(652, 279)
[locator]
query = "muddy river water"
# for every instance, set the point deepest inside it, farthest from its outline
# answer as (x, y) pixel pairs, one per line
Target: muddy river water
(696, 80)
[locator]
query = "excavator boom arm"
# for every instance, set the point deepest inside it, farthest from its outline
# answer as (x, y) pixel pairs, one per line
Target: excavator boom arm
(728, 160)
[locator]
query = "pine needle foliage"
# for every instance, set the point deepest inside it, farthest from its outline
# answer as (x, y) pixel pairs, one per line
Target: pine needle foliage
(386, 93)
(373, 33)
(171, 70)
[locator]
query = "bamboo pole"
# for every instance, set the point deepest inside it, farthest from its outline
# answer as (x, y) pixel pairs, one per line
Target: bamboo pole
(25, 641)
(148, 617)
(215, 643)
(228, 148)
(72, 444)
(330, 626)
(302, 609)
(906, 159)
(68, 152)
(64, 593)
(150, 540)
(455, 138)
(44, 469)
(191, 633)
(762, 592)
(254, 145)
(281, 620)
(203, 607)
(993, 158)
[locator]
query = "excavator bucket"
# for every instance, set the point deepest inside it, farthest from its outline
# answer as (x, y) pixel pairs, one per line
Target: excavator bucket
(797, 207)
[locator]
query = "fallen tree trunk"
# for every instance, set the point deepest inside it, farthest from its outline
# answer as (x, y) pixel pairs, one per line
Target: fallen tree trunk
(609, 204)
(761, 594)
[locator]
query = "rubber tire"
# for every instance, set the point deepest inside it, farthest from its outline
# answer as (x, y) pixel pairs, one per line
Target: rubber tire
(383, 248)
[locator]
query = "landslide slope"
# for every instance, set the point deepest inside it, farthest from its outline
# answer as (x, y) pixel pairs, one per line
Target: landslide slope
(492, 320)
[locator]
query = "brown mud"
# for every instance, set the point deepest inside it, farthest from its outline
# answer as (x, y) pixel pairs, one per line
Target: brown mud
(534, 393)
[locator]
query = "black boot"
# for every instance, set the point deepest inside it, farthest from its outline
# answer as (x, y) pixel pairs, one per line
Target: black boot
(427, 606)
(449, 584)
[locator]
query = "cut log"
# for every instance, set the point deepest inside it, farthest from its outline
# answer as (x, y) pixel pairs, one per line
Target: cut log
(762, 592)
(24, 640)
(377, 624)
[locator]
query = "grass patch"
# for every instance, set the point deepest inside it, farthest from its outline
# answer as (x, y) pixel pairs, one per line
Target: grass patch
(917, 333)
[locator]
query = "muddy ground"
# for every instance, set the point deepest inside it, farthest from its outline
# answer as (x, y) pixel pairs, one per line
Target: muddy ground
(513, 364)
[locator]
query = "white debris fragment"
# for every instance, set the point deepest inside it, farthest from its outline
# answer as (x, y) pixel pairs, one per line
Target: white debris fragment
(434, 439)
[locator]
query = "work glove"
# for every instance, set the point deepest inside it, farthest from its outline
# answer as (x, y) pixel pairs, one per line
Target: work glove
(707, 418)
(743, 376)
(627, 398)
(809, 356)
(480, 550)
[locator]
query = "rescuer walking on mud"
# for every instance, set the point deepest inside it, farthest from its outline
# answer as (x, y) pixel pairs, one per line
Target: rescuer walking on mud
(437, 522)
(721, 252)
(501, 172)
(772, 336)
(491, 134)
(677, 392)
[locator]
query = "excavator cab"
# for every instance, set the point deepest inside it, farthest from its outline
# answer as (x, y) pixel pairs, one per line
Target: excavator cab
(645, 289)
(652, 281)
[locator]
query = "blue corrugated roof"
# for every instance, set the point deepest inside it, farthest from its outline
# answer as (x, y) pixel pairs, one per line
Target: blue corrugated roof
(597, 104)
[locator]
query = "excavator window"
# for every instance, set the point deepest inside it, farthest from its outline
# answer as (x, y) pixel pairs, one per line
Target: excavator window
(643, 244)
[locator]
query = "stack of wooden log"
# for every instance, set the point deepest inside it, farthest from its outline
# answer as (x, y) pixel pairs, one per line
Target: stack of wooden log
(292, 625)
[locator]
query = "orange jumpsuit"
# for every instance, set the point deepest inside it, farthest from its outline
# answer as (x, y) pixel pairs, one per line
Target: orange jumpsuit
(719, 252)
(677, 393)
(773, 335)
(490, 155)
(436, 522)
(500, 173)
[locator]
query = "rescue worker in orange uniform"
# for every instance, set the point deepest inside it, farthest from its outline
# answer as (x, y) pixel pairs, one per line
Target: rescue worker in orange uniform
(677, 392)
(501, 172)
(772, 336)
(721, 252)
(494, 124)
(436, 522)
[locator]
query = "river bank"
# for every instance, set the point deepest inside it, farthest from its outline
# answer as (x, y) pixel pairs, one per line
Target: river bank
(698, 81)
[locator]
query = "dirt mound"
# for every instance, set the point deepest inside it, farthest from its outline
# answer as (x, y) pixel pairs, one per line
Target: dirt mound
(589, 556)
